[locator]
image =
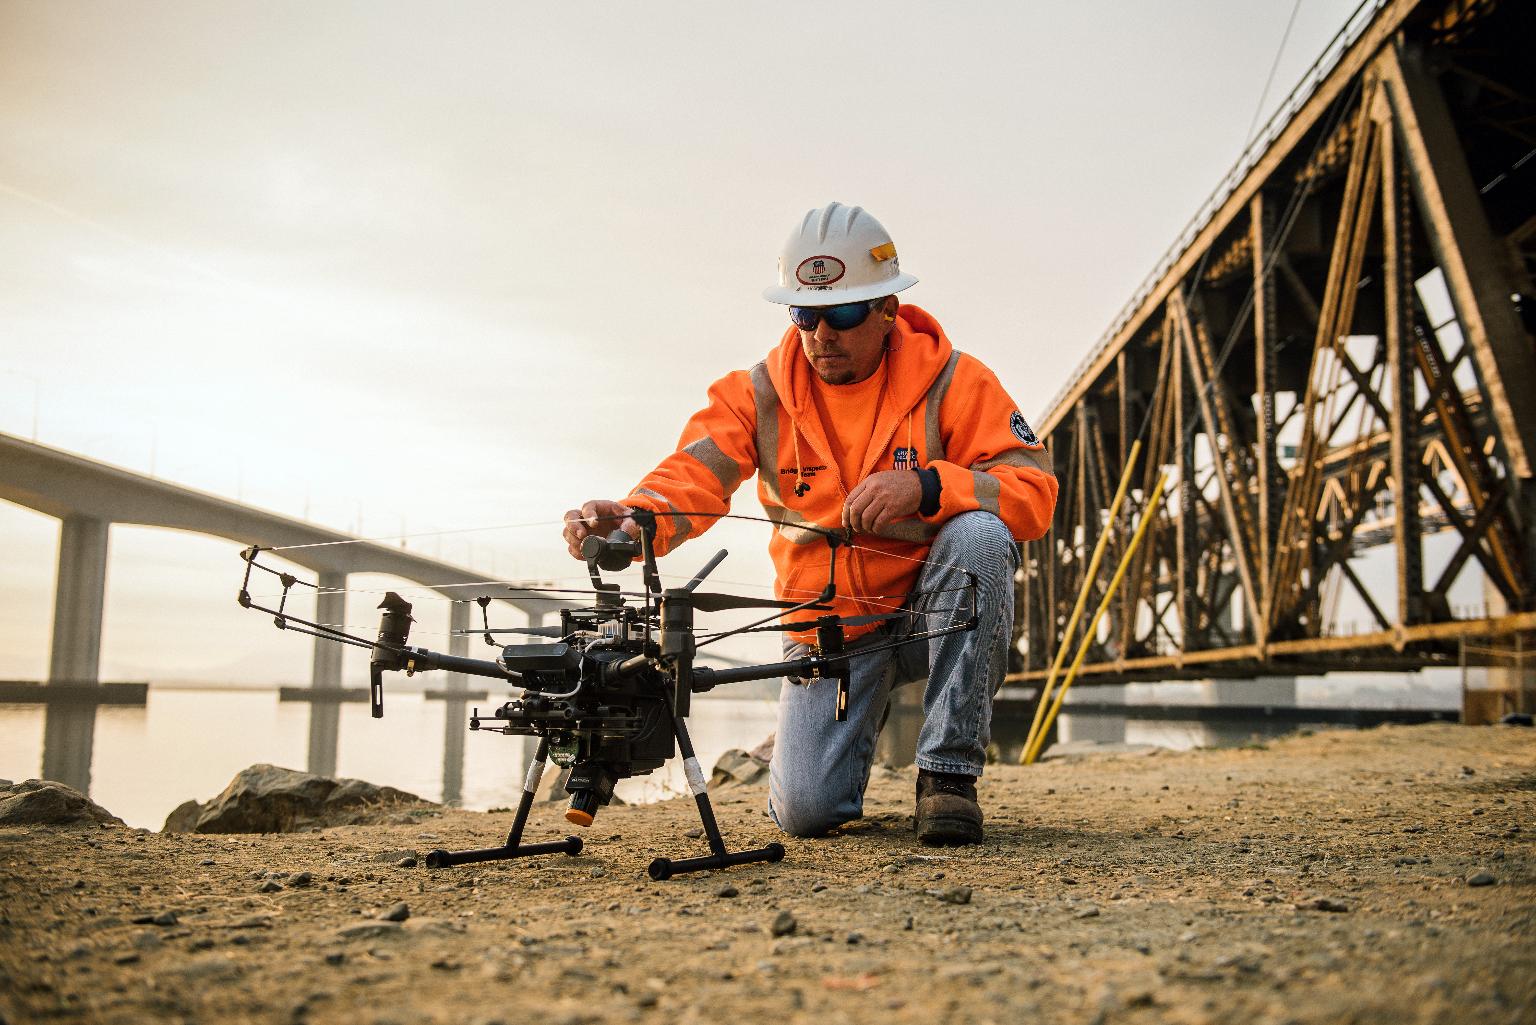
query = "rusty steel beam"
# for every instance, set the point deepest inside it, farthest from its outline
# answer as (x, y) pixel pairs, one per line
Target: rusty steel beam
(1334, 454)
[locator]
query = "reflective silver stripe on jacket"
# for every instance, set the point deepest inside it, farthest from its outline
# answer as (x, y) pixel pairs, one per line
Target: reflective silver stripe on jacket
(1038, 458)
(932, 402)
(915, 531)
(766, 401)
(682, 526)
(717, 462)
(988, 488)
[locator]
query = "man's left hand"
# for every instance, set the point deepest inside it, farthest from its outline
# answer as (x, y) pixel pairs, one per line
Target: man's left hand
(881, 499)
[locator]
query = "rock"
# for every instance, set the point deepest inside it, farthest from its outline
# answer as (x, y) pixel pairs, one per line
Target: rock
(270, 886)
(42, 802)
(737, 768)
(1323, 904)
(270, 799)
(1481, 879)
(1088, 912)
(406, 862)
(396, 912)
(951, 894)
(598, 872)
(727, 891)
(783, 924)
(182, 818)
(300, 880)
(369, 931)
(394, 857)
(693, 834)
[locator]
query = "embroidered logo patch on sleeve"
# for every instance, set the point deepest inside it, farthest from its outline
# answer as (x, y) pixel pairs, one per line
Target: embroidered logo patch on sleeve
(1020, 428)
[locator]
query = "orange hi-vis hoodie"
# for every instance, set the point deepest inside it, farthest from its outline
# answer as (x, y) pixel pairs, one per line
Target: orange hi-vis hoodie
(940, 409)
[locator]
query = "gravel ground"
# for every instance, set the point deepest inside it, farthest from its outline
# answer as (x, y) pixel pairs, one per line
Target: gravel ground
(1376, 876)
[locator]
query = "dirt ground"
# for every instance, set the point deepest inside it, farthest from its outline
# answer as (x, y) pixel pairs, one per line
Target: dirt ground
(1338, 877)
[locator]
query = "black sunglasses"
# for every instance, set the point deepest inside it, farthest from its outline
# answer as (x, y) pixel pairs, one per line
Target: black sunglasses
(843, 317)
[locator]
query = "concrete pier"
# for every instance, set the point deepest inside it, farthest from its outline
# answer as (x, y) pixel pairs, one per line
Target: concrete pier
(75, 657)
(454, 729)
(325, 716)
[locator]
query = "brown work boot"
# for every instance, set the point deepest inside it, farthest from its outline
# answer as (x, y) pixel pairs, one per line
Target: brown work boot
(947, 812)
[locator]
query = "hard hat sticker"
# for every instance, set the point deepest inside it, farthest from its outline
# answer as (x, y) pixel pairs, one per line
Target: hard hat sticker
(819, 270)
(1020, 428)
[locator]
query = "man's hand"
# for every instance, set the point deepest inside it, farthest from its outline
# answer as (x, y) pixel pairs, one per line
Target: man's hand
(881, 499)
(600, 517)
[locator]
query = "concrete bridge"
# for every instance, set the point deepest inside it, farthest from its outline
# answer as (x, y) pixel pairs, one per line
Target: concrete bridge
(88, 497)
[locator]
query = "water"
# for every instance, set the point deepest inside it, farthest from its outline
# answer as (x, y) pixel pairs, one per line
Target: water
(189, 744)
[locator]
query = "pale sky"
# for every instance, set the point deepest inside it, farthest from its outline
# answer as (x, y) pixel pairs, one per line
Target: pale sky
(451, 266)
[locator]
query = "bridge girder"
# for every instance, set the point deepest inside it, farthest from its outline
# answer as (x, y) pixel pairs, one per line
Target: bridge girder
(1288, 369)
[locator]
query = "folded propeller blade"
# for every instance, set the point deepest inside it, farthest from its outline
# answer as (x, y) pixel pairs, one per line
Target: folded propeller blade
(531, 631)
(706, 601)
(848, 621)
(587, 592)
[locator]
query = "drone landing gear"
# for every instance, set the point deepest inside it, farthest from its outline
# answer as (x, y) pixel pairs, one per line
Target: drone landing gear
(514, 847)
(666, 868)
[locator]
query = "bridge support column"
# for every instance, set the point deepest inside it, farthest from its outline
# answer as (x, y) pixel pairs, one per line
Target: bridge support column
(325, 716)
(455, 726)
(79, 597)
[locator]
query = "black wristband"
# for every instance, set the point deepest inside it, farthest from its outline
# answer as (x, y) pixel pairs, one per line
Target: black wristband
(931, 488)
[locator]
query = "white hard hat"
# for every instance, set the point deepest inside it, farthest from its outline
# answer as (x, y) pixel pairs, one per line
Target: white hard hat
(838, 254)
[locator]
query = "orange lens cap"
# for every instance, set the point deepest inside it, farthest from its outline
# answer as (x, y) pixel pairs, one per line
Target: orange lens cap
(578, 817)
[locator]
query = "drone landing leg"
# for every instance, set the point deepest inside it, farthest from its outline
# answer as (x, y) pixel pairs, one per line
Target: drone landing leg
(666, 868)
(514, 847)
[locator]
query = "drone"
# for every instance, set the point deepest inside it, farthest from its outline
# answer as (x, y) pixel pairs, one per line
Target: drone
(608, 693)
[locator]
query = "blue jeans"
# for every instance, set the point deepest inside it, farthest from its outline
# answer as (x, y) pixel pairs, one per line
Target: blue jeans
(820, 767)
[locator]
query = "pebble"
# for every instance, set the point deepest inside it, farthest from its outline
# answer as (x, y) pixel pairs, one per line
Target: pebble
(694, 833)
(1323, 904)
(818, 887)
(301, 880)
(952, 894)
(406, 862)
(1088, 912)
(1481, 879)
(396, 912)
(126, 959)
(206, 862)
(599, 872)
(783, 924)
(335, 957)
(727, 891)
(855, 938)
(270, 886)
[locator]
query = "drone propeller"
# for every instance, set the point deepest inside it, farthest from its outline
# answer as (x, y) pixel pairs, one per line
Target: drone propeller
(531, 631)
(570, 590)
(849, 621)
(711, 602)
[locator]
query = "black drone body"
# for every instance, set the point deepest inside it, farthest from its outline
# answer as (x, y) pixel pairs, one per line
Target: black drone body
(609, 697)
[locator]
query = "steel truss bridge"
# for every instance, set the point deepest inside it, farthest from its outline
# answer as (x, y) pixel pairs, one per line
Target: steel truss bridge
(1336, 356)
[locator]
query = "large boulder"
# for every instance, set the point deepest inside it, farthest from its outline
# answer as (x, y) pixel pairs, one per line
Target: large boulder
(42, 802)
(271, 799)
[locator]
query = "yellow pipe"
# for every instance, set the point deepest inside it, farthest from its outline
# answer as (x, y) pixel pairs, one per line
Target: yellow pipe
(1114, 585)
(1082, 595)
